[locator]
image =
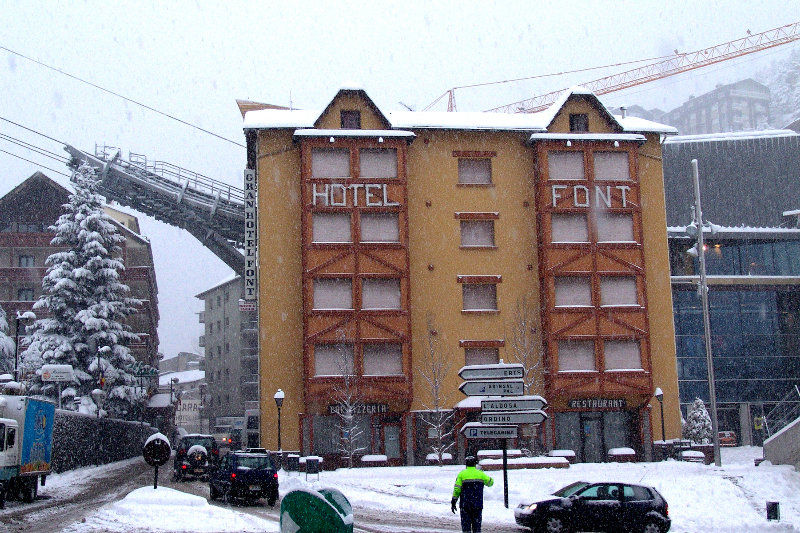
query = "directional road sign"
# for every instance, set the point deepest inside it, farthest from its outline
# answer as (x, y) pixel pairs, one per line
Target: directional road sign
(533, 416)
(512, 404)
(476, 430)
(511, 387)
(500, 371)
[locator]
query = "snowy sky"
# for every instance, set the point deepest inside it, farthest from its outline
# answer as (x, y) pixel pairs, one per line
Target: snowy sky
(193, 59)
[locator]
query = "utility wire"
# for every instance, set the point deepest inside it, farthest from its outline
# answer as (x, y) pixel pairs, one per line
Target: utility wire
(32, 130)
(42, 151)
(122, 96)
(35, 163)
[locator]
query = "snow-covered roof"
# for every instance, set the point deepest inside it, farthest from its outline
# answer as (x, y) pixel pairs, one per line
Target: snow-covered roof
(225, 281)
(185, 376)
(352, 133)
(159, 400)
(588, 137)
(637, 124)
(731, 136)
(741, 232)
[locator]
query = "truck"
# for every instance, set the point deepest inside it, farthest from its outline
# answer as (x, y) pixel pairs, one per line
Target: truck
(26, 445)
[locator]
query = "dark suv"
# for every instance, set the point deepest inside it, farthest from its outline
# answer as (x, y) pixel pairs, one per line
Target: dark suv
(246, 475)
(195, 456)
(610, 507)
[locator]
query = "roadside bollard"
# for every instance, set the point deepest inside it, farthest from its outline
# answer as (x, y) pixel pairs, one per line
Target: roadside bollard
(773, 511)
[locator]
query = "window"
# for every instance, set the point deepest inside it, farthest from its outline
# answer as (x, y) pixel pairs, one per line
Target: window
(475, 171)
(378, 162)
(25, 295)
(477, 233)
(227, 321)
(611, 166)
(380, 293)
(622, 355)
(210, 328)
(330, 163)
(227, 347)
(2, 437)
(569, 227)
(227, 372)
(219, 351)
(25, 261)
(573, 291)
(380, 227)
(614, 227)
(28, 228)
(578, 122)
(479, 296)
(575, 355)
(219, 301)
(565, 165)
(333, 359)
(330, 227)
(383, 359)
(219, 326)
(618, 290)
(481, 356)
(333, 293)
(11, 434)
(350, 119)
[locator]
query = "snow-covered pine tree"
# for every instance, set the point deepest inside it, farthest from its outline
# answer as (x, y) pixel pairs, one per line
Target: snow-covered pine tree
(7, 346)
(87, 303)
(698, 423)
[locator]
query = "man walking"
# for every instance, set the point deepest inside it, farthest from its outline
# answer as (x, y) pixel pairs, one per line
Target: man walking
(469, 489)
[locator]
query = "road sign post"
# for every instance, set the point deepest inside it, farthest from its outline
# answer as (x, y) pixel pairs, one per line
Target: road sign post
(485, 387)
(513, 417)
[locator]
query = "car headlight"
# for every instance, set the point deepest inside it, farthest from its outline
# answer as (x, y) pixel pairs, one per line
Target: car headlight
(531, 507)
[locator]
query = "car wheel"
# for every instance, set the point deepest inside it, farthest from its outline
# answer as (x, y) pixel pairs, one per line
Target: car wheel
(555, 524)
(213, 490)
(29, 491)
(652, 527)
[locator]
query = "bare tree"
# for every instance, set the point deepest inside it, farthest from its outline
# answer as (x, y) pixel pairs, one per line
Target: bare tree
(434, 371)
(526, 348)
(348, 403)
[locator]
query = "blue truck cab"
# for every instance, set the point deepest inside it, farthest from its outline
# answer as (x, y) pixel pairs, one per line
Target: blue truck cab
(26, 445)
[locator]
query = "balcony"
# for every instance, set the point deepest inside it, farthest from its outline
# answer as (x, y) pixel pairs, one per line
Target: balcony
(201, 317)
(202, 341)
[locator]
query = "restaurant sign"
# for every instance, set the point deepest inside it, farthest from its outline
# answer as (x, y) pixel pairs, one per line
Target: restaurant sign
(598, 403)
(359, 409)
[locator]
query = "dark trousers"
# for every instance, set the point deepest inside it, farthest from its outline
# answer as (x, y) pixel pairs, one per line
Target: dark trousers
(471, 519)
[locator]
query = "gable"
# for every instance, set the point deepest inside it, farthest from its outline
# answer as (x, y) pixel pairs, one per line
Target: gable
(352, 100)
(38, 199)
(600, 120)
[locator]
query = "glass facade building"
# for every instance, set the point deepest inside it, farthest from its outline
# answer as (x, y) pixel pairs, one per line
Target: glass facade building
(754, 309)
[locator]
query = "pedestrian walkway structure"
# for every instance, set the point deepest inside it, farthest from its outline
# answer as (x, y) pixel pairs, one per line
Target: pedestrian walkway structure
(212, 211)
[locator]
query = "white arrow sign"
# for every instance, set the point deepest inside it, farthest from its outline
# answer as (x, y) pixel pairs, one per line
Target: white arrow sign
(511, 387)
(521, 403)
(500, 371)
(475, 430)
(513, 417)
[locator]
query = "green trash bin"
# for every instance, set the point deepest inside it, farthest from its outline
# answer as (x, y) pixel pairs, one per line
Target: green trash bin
(311, 511)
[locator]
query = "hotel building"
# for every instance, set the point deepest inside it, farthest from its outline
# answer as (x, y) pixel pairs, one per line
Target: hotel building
(378, 232)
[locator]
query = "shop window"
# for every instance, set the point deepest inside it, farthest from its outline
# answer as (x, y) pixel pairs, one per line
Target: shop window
(25, 261)
(569, 227)
(383, 359)
(25, 295)
(579, 123)
(380, 227)
(330, 163)
(615, 227)
(575, 355)
(474, 171)
(380, 293)
(333, 359)
(479, 297)
(573, 291)
(565, 165)
(611, 166)
(350, 119)
(333, 293)
(478, 233)
(378, 162)
(330, 227)
(481, 356)
(28, 228)
(622, 355)
(618, 290)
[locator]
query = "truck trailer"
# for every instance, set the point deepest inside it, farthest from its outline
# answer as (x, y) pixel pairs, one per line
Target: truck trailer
(26, 445)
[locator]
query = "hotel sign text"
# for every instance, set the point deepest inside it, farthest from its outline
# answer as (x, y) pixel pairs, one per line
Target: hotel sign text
(581, 195)
(250, 235)
(338, 195)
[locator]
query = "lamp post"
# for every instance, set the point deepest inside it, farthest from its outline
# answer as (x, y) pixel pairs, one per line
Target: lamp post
(23, 317)
(659, 394)
(279, 402)
(172, 383)
(703, 288)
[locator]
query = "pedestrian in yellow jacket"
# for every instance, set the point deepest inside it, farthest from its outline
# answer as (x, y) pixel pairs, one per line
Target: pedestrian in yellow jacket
(469, 489)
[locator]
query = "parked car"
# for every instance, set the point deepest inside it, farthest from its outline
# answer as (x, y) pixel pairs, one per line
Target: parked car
(195, 455)
(245, 475)
(727, 438)
(610, 507)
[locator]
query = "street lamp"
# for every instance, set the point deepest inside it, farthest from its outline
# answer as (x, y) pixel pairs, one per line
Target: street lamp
(98, 395)
(659, 394)
(279, 402)
(24, 317)
(172, 383)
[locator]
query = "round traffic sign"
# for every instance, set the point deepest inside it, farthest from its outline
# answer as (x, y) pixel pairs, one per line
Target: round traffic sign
(156, 450)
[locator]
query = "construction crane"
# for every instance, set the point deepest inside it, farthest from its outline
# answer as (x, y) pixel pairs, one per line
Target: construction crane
(664, 68)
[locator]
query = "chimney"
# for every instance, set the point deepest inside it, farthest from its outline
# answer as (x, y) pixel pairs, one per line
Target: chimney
(623, 110)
